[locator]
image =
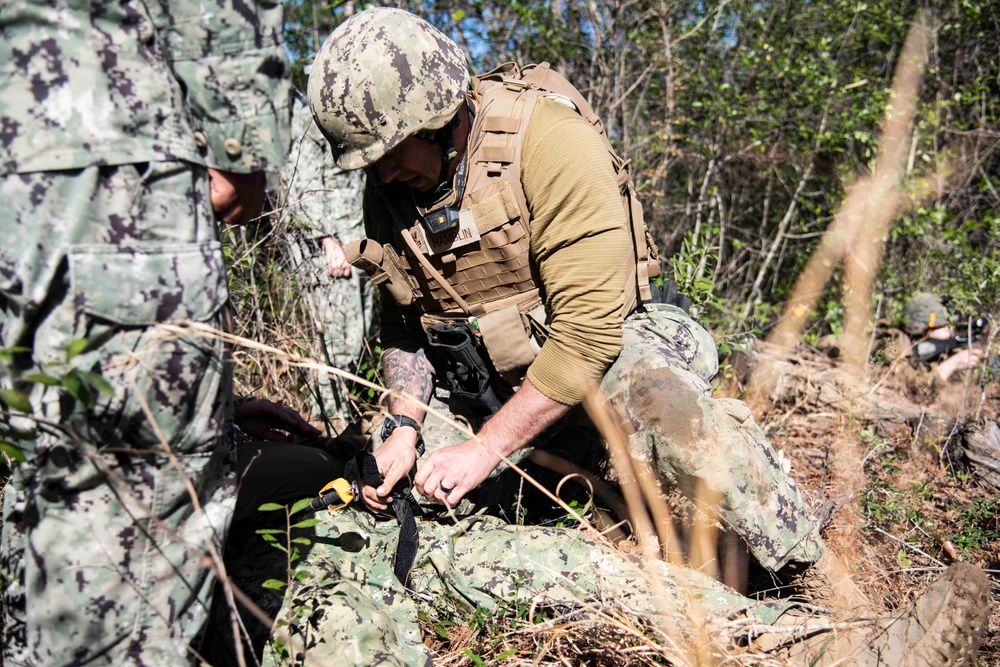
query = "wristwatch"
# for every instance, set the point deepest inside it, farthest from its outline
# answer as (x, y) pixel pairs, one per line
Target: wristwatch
(392, 422)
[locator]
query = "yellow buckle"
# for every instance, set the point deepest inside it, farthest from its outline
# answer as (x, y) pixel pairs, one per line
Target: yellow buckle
(345, 491)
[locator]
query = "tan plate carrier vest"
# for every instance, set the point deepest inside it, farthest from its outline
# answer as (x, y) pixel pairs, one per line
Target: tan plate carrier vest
(480, 271)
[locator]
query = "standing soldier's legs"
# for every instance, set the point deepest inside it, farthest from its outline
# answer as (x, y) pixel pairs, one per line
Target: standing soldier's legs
(121, 497)
(339, 304)
(660, 388)
(341, 310)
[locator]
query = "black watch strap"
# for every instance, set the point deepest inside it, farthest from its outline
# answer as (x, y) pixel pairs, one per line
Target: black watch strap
(392, 422)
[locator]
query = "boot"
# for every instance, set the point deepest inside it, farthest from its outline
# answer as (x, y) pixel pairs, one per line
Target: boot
(943, 628)
(828, 583)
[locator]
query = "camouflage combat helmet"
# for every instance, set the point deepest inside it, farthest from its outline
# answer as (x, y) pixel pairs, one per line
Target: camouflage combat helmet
(381, 76)
(923, 312)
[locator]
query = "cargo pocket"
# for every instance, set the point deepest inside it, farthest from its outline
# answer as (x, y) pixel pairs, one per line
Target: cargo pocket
(149, 284)
(181, 380)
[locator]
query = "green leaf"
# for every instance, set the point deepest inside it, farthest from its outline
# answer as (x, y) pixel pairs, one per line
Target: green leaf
(301, 540)
(475, 658)
(16, 435)
(301, 505)
(75, 386)
(15, 400)
(270, 531)
(308, 523)
(270, 507)
(274, 584)
(300, 575)
(41, 378)
(100, 383)
(12, 451)
(75, 348)
(7, 353)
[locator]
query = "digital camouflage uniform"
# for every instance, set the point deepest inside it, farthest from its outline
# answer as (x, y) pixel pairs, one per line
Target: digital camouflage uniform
(110, 113)
(349, 609)
(322, 201)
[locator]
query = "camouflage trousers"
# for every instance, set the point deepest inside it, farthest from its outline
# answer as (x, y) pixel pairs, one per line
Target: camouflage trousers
(710, 447)
(342, 311)
(350, 609)
(124, 492)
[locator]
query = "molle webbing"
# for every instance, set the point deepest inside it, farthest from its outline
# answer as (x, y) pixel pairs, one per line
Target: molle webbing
(496, 268)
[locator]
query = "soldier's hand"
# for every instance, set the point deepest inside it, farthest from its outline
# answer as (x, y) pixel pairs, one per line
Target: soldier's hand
(265, 420)
(236, 198)
(962, 360)
(451, 472)
(395, 460)
(336, 260)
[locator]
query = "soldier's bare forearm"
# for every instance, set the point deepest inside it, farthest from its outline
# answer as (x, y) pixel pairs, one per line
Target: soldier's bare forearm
(407, 373)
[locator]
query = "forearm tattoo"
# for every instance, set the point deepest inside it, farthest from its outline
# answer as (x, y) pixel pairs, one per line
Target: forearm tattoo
(407, 372)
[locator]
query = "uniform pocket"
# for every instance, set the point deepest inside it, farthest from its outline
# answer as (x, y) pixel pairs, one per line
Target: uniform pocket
(149, 284)
(691, 341)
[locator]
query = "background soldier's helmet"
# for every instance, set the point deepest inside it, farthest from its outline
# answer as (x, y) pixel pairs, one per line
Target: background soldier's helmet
(923, 312)
(381, 76)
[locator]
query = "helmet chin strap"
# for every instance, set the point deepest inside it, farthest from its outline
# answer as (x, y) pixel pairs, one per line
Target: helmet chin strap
(438, 209)
(445, 138)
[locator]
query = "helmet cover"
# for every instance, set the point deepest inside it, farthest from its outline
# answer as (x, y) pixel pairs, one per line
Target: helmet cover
(380, 77)
(922, 312)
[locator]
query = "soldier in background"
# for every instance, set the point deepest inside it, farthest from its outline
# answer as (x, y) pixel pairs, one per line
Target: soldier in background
(320, 206)
(928, 323)
(130, 129)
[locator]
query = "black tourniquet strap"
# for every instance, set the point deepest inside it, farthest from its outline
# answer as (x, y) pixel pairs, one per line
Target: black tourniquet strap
(406, 546)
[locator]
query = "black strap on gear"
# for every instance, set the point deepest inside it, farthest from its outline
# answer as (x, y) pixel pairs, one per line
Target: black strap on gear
(445, 138)
(456, 358)
(402, 506)
(341, 492)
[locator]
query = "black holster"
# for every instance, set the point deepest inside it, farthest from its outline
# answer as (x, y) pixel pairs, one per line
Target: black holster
(459, 363)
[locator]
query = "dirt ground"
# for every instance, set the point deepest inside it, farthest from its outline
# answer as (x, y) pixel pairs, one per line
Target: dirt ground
(889, 467)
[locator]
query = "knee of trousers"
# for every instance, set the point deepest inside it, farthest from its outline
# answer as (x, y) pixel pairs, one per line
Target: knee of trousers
(685, 433)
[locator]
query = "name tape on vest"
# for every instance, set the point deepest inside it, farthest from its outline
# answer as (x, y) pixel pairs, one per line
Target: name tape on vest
(435, 244)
